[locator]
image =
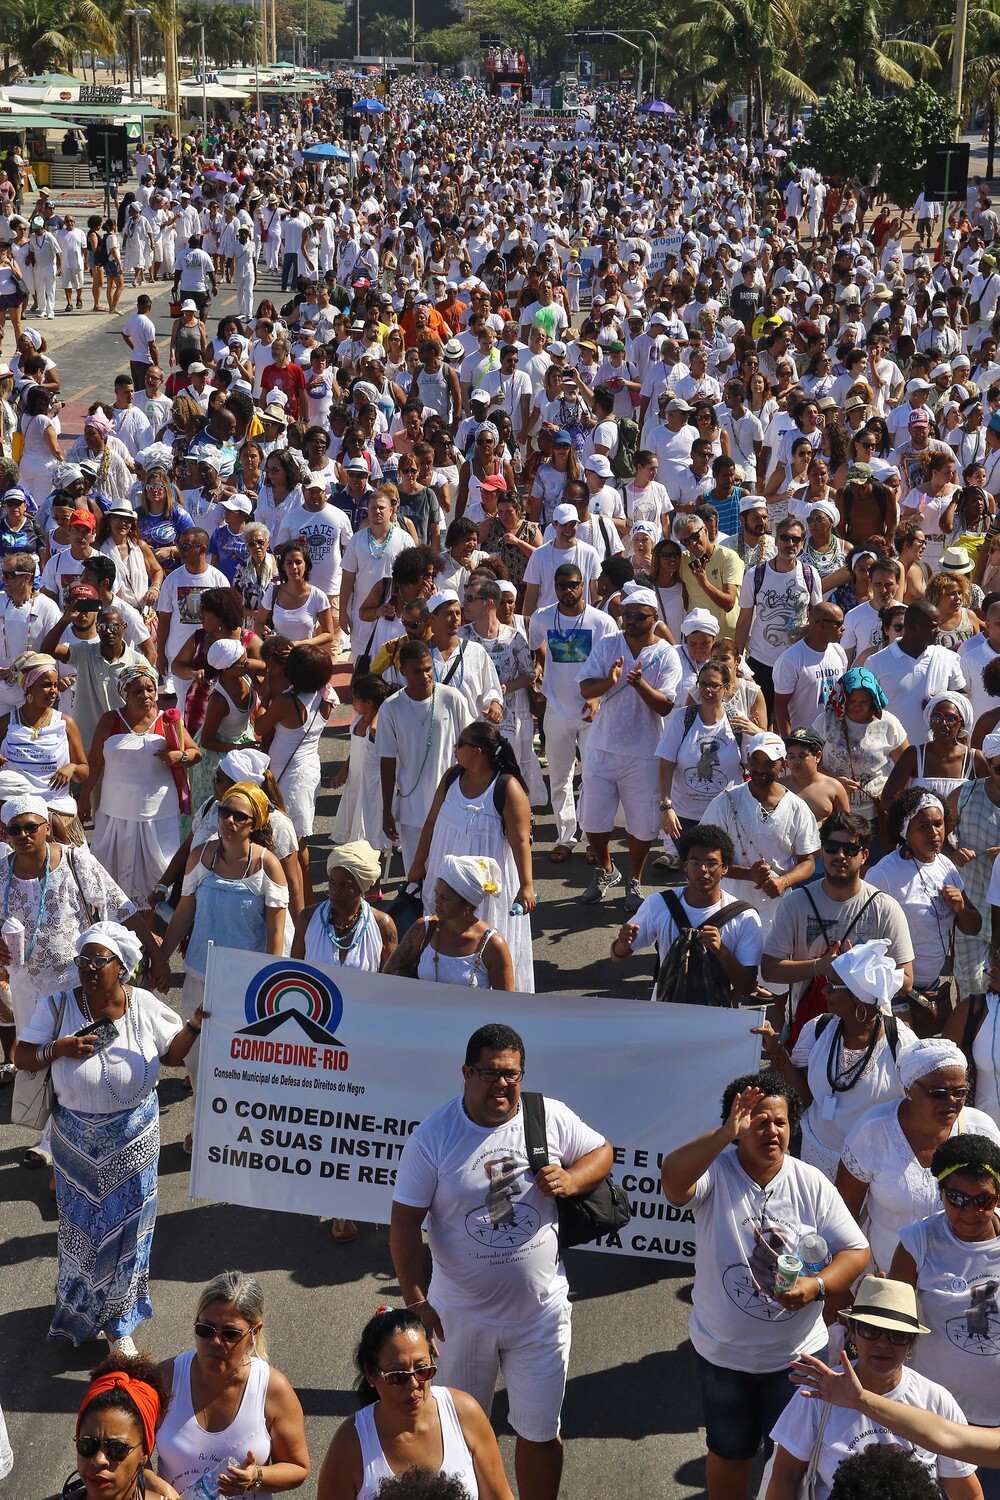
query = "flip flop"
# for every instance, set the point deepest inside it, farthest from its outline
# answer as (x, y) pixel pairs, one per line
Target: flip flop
(343, 1230)
(560, 853)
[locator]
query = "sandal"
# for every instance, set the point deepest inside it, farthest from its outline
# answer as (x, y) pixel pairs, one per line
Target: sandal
(35, 1158)
(343, 1230)
(591, 857)
(560, 853)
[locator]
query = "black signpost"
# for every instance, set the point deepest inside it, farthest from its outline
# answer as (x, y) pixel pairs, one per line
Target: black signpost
(107, 154)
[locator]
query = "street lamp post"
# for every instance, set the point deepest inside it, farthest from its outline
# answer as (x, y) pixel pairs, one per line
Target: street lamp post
(131, 73)
(138, 13)
(204, 81)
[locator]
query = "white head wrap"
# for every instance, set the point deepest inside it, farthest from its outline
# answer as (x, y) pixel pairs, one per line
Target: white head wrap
(225, 653)
(644, 598)
(929, 799)
(926, 1057)
(471, 877)
(870, 974)
(13, 784)
(991, 744)
(245, 765)
(962, 704)
(358, 859)
(112, 935)
(18, 806)
(699, 620)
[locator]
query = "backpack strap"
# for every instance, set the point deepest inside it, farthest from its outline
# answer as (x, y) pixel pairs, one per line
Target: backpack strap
(823, 927)
(535, 1142)
(734, 909)
(852, 924)
(758, 579)
(676, 910)
(500, 786)
(690, 714)
(891, 1026)
(974, 1018)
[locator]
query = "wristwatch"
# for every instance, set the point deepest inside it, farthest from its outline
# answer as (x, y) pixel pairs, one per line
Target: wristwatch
(666, 805)
(821, 1294)
(184, 757)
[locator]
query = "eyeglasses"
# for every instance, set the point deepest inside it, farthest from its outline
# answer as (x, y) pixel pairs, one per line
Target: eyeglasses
(234, 816)
(703, 864)
(987, 1202)
(114, 1449)
(941, 718)
(494, 1075)
(421, 1373)
(849, 851)
(188, 546)
(568, 586)
(957, 1094)
(95, 961)
(636, 616)
(869, 1333)
(23, 830)
(227, 1334)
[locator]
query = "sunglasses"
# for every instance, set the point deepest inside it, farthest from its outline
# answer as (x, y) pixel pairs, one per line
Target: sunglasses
(23, 830)
(636, 617)
(849, 851)
(95, 961)
(114, 1449)
(945, 718)
(17, 573)
(227, 1334)
(958, 1095)
(421, 1373)
(958, 1199)
(789, 536)
(869, 1333)
(239, 818)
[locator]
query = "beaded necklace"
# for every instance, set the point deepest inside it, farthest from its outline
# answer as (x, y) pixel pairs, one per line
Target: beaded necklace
(378, 549)
(427, 747)
(41, 900)
(354, 933)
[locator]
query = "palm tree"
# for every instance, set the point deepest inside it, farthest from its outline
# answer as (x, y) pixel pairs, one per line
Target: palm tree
(848, 45)
(751, 43)
(45, 34)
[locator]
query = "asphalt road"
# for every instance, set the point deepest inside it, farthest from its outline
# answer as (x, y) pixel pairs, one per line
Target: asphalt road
(632, 1409)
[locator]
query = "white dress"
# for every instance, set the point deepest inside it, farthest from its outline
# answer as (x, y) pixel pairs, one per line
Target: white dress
(295, 762)
(472, 825)
(37, 463)
(366, 952)
(137, 827)
(359, 812)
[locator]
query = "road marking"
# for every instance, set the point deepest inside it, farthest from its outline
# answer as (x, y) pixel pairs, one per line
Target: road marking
(80, 394)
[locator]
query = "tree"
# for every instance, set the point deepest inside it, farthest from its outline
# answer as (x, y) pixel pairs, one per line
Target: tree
(388, 35)
(447, 46)
(44, 35)
(753, 45)
(911, 122)
(848, 45)
(538, 27)
(843, 134)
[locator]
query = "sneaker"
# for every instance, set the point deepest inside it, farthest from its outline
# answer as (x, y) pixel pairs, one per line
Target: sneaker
(6, 1074)
(601, 883)
(124, 1346)
(633, 896)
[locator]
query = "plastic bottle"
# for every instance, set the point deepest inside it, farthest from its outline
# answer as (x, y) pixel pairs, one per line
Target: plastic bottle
(517, 910)
(814, 1252)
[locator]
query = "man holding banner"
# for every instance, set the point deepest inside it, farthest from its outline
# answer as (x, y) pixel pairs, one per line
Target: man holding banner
(498, 1296)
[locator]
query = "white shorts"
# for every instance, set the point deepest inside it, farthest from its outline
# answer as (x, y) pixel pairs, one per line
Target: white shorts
(610, 778)
(533, 1358)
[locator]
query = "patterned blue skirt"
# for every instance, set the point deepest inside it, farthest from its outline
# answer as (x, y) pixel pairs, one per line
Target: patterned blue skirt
(106, 1171)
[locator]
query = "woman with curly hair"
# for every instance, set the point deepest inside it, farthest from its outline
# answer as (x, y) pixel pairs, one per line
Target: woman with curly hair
(122, 1408)
(951, 595)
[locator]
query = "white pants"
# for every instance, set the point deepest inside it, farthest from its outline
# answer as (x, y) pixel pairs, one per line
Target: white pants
(409, 838)
(244, 296)
(45, 290)
(562, 737)
(533, 1357)
(192, 995)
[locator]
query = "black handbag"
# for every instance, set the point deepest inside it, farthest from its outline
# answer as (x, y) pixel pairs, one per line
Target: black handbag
(602, 1209)
(405, 908)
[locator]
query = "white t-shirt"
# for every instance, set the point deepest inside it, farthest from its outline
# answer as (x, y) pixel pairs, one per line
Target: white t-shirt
(900, 1190)
(831, 1115)
(493, 1236)
(142, 331)
(930, 919)
(862, 629)
(782, 837)
(541, 568)
(568, 642)
(403, 735)
(625, 724)
(974, 654)
(850, 1432)
(326, 533)
(144, 1034)
(779, 607)
(956, 1289)
(742, 934)
(742, 1229)
(706, 761)
(180, 598)
(808, 676)
(909, 682)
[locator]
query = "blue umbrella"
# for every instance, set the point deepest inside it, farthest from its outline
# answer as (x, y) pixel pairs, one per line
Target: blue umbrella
(432, 96)
(324, 152)
(656, 107)
(371, 106)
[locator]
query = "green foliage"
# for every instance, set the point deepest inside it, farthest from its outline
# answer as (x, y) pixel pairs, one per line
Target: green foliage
(853, 135)
(538, 27)
(844, 134)
(44, 35)
(447, 46)
(386, 34)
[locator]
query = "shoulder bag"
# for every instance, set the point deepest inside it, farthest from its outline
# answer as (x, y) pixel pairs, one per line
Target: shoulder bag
(602, 1209)
(809, 1482)
(34, 1094)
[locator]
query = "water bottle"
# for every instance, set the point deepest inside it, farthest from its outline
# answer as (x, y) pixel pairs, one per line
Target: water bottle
(517, 910)
(815, 1253)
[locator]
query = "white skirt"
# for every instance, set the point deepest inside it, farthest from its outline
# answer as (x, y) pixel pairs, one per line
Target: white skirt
(298, 786)
(135, 853)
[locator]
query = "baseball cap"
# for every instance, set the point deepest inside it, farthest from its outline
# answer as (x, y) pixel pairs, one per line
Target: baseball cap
(597, 463)
(564, 514)
(83, 518)
(769, 744)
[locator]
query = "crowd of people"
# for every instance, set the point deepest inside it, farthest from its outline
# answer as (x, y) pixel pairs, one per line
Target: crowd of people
(700, 549)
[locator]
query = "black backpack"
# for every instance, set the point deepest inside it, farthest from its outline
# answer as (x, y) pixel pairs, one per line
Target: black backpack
(623, 463)
(688, 973)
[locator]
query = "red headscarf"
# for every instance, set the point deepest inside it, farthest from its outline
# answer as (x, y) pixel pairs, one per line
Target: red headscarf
(144, 1398)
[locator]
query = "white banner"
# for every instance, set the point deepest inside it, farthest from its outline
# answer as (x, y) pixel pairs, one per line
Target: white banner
(536, 118)
(312, 1078)
(662, 246)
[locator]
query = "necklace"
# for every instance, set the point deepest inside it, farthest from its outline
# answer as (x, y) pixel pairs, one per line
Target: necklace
(355, 931)
(378, 549)
(476, 960)
(841, 1082)
(427, 747)
(41, 900)
(131, 1047)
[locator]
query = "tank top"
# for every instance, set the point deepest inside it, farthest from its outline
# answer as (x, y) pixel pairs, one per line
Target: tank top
(190, 1457)
(37, 753)
(136, 784)
(433, 391)
(943, 786)
(366, 953)
(292, 748)
(456, 1461)
(467, 969)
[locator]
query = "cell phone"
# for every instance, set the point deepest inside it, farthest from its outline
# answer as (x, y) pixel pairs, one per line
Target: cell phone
(102, 1033)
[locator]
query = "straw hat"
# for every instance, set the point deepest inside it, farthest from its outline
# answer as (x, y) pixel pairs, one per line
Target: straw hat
(886, 1304)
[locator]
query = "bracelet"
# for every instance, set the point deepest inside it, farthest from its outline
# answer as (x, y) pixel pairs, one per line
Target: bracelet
(257, 1483)
(194, 1030)
(420, 1302)
(614, 949)
(46, 1053)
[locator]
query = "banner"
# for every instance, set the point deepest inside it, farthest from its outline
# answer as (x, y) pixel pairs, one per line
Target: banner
(537, 118)
(662, 246)
(312, 1078)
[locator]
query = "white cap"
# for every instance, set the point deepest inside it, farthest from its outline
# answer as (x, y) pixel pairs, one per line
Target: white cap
(770, 744)
(443, 596)
(564, 514)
